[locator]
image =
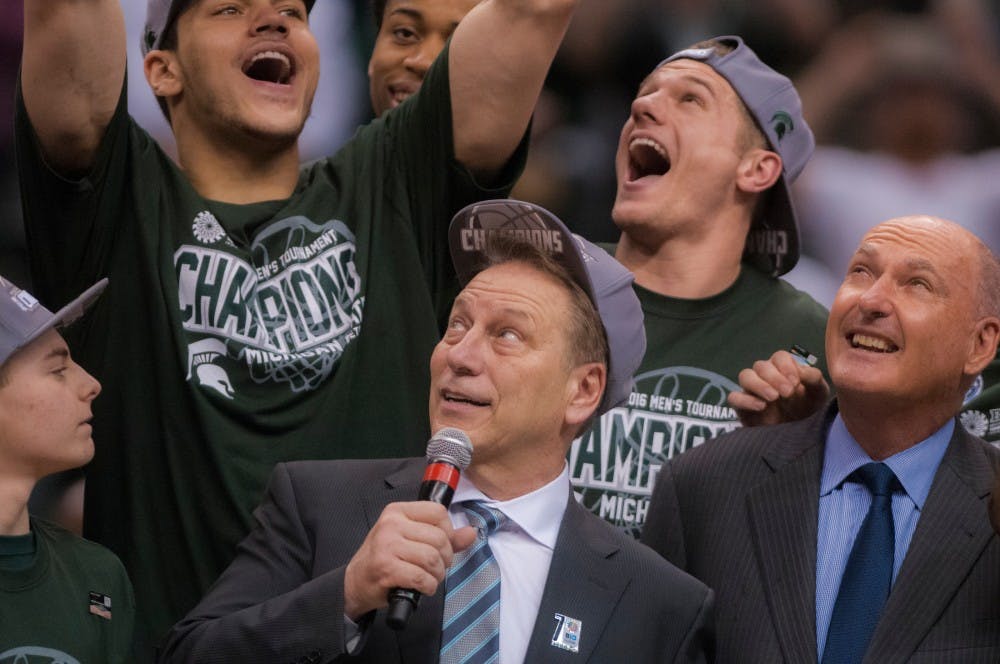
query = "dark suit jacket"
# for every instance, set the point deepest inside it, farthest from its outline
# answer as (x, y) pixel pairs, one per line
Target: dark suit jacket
(741, 511)
(281, 600)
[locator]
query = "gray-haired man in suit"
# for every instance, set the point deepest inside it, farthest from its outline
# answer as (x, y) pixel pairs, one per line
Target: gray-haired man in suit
(546, 334)
(861, 532)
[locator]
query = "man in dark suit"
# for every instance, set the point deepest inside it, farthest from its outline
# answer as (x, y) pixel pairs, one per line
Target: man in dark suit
(545, 335)
(808, 562)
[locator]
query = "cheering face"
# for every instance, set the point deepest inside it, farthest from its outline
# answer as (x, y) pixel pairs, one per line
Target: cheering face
(251, 67)
(501, 372)
(45, 410)
(413, 32)
(904, 327)
(679, 151)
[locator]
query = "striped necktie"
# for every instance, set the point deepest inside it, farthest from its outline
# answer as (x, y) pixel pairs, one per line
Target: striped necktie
(868, 575)
(471, 627)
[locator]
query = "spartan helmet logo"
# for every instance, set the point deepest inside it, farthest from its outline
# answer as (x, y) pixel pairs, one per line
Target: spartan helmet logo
(781, 124)
(201, 355)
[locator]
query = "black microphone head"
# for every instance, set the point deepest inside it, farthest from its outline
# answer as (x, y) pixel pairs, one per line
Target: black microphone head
(452, 446)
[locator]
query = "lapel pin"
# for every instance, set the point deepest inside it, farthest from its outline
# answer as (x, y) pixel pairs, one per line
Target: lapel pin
(567, 634)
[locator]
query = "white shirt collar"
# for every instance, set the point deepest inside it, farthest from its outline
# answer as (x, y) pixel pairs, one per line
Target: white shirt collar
(539, 513)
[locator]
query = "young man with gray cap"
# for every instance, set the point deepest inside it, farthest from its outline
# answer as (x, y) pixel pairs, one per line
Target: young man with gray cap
(546, 334)
(705, 159)
(62, 598)
(262, 313)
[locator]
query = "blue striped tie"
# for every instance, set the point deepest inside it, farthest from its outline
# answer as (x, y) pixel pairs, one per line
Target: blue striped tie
(868, 575)
(471, 628)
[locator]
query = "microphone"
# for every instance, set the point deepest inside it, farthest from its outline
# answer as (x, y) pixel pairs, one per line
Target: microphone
(449, 452)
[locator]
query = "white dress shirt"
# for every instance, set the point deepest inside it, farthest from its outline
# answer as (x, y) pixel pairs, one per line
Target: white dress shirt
(523, 548)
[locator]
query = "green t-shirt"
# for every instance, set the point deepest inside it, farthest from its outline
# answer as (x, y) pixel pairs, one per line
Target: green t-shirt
(73, 603)
(695, 350)
(232, 337)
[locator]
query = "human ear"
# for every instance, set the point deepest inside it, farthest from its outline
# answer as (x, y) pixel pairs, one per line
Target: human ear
(585, 390)
(758, 170)
(163, 73)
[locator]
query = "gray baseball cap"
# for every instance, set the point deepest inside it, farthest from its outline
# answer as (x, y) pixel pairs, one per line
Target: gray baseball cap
(161, 14)
(23, 318)
(607, 282)
(773, 241)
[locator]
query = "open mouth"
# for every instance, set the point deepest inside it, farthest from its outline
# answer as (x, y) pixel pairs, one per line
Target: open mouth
(647, 158)
(870, 343)
(270, 67)
(400, 93)
(455, 397)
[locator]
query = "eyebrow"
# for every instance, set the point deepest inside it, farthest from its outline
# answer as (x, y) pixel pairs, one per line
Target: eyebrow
(62, 353)
(415, 14)
(688, 77)
(461, 304)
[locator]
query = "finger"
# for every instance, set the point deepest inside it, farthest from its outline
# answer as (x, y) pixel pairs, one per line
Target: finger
(754, 385)
(425, 511)
(787, 365)
(747, 402)
(462, 538)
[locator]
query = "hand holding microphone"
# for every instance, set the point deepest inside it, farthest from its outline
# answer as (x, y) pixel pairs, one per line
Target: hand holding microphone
(449, 452)
(407, 551)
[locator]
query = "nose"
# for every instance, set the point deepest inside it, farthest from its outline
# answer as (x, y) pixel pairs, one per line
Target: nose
(269, 19)
(89, 386)
(644, 109)
(422, 55)
(876, 300)
(465, 357)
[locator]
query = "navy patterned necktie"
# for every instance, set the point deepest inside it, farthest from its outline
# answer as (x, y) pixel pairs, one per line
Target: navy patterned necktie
(471, 627)
(868, 575)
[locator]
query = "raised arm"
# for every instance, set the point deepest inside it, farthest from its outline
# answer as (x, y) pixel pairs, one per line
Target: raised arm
(72, 71)
(500, 55)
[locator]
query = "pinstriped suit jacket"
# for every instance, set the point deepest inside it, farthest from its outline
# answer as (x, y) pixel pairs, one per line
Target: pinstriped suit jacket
(281, 600)
(741, 511)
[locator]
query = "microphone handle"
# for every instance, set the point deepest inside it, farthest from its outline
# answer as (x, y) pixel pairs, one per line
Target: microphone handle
(402, 601)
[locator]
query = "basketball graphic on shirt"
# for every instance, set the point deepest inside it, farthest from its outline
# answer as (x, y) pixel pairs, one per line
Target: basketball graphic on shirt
(36, 655)
(615, 464)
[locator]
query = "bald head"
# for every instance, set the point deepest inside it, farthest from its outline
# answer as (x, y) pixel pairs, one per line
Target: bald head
(948, 238)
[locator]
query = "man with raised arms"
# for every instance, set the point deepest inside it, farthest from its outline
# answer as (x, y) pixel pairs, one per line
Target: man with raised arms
(257, 313)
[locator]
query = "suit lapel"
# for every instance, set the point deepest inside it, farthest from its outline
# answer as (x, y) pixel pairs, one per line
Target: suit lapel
(421, 640)
(950, 536)
(783, 513)
(582, 584)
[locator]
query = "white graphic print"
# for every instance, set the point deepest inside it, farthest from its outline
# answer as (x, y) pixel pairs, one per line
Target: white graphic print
(283, 314)
(201, 355)
(975, 422)
(614, 466)
(206, 228)
(32, 654)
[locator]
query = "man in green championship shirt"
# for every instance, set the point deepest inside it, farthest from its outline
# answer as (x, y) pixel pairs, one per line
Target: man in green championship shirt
(258, 313)
(62, 598)
(705, 159)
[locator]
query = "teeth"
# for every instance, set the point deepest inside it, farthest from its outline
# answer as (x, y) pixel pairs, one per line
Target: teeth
(650, 143)
(872, 343)
(271, 55)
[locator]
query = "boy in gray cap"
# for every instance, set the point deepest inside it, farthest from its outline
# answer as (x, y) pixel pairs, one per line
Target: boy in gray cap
(546, 333)
(705, 159)
(62, 598)
(261, 313)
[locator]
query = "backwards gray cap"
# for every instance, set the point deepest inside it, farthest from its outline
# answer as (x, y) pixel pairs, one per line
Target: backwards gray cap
(23, 319)
(606, 281)
(773, 241)
(161, 14)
